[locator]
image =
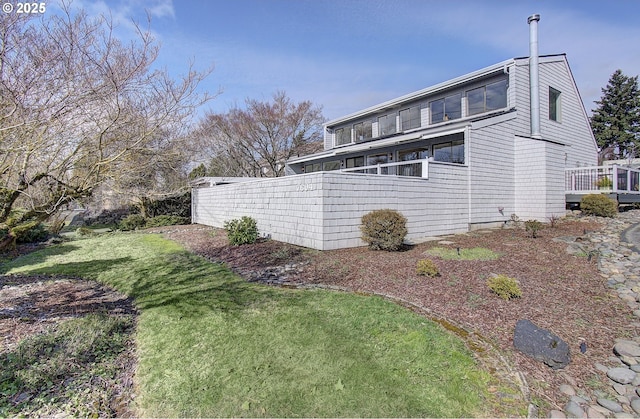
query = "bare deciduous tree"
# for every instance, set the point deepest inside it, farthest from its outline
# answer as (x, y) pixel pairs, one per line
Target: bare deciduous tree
(79, 107)
(256, 141)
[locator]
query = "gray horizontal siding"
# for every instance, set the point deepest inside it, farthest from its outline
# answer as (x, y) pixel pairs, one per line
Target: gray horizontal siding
(324, 210)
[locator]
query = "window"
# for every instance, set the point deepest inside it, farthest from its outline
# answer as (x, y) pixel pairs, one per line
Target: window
(415, 154)
(387, 125)
(312, 167)
(354, 162)
(450, 152)
(343, 136)
(447, 108)
(363, 131)
(410, 118)
(554, 104)
(374, 159)
(487, 98)
(331, 165)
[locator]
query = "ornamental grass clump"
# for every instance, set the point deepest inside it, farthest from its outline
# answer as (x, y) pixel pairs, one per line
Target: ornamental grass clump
(506, 287)
(599, 205)
(384, 229)
(426, 267)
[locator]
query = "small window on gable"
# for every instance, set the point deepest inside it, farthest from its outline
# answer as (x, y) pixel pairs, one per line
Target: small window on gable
(387, 124)
(554, 104)
(343, 136)
(410, 118)
(363, 131)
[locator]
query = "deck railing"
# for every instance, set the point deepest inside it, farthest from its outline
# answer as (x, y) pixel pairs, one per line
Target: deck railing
(602, 179)
(412, 168)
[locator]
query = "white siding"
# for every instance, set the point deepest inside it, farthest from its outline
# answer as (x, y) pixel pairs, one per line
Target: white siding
(491, 154)
(323, 210)
(539, 179)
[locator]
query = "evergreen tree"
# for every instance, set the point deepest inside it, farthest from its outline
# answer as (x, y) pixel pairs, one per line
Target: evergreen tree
(616, 121)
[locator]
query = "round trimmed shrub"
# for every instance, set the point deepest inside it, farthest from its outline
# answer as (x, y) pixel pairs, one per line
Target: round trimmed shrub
(384, 229)
(242, 231)
(599, 205)
(506, 287)
(427, 267)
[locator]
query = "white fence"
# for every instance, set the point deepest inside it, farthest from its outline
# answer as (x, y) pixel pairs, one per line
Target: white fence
(323, 210)
(602, 179)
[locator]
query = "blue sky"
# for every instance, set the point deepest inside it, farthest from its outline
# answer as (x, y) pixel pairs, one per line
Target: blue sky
(346, 55)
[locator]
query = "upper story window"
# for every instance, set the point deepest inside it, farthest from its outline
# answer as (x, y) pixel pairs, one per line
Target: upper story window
(410, 118)
(487, 98)
(387, 124)
(343, 136)
(363, 131)
(554, 104)
(446, 108)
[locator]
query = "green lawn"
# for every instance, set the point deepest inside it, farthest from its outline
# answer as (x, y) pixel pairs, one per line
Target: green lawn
(211, 344)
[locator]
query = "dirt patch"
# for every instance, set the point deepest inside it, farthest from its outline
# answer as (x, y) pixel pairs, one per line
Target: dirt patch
(33, 304)
(561, 292)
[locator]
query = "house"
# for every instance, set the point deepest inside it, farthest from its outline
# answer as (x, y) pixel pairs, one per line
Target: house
(462, 154)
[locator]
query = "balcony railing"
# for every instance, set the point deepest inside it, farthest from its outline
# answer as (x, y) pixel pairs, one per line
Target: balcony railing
(599, 179)
(412, 168)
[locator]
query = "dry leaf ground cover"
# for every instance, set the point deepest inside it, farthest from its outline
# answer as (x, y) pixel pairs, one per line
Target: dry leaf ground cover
(561, 292)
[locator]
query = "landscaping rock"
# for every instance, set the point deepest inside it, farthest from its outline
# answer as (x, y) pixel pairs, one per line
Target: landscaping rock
(610, 405)
(541, 344)
(573, 410)
(627, 348)
(621, 375)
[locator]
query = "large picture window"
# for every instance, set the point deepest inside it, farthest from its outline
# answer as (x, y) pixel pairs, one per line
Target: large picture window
(446, 108)
(331, 165)
(450, 152)
(414, 154)
(354, 162)
(343, 136)
(363, 131)
(487, 98)
(410, 118)
(387, 124)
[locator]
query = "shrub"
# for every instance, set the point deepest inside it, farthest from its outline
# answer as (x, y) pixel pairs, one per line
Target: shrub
(30, 232)
(427, 267)
(166, 220)
(132, 222)
(178, 205)
(598, 205)
(504, 286)
(242, 231)
(533, 226)
(384, 229)
(605, 183)
(84, 231)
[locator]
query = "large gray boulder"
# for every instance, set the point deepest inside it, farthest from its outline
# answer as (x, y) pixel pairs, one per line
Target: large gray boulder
(541, 344)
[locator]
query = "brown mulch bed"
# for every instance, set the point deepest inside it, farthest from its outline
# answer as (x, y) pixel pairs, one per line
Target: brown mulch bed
(561, 292)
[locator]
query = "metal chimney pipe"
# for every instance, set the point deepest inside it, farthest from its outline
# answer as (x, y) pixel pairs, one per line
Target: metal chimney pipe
(534, 79)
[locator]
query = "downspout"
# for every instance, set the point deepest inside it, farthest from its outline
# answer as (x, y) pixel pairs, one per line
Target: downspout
(534, 78)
